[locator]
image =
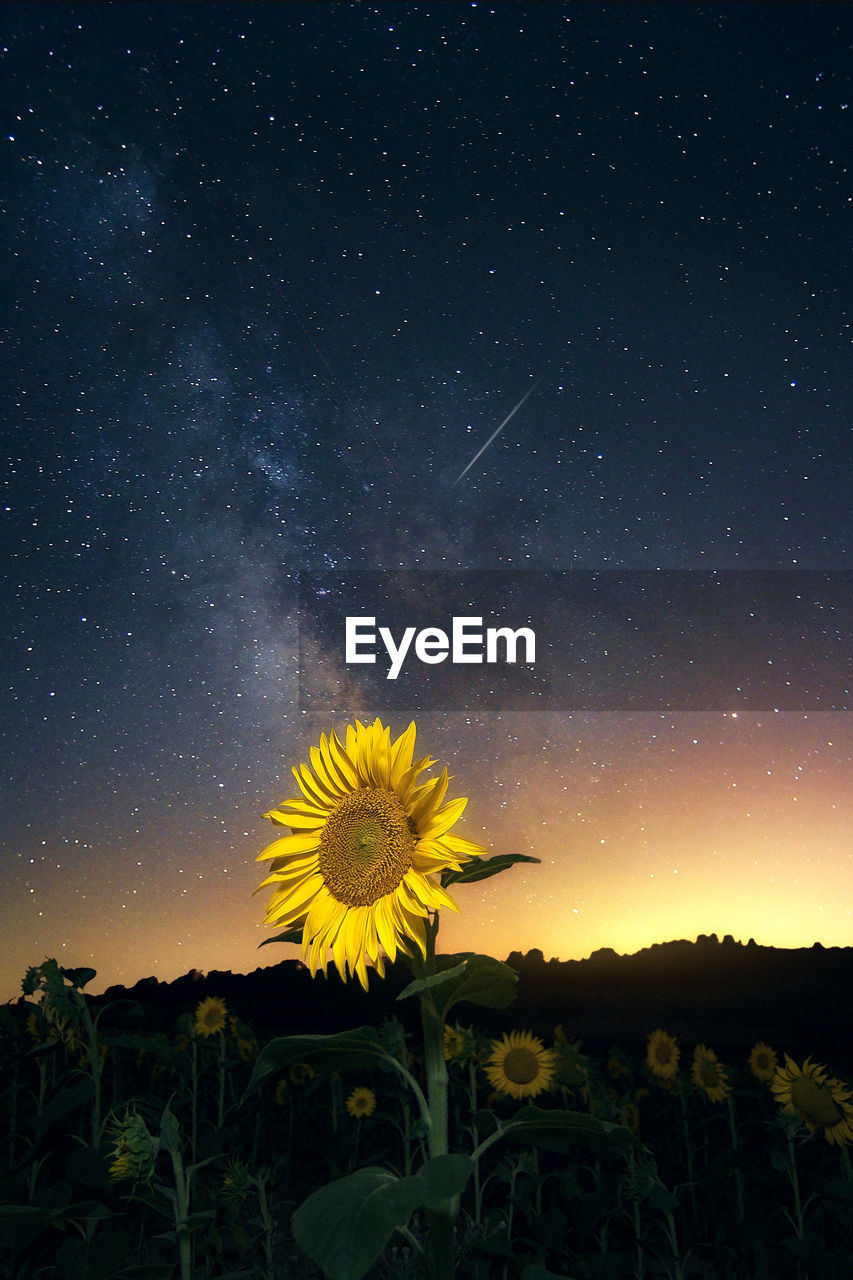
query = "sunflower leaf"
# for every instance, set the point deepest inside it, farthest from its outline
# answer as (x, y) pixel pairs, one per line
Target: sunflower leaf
(436, 980)
(485, 981)
(445, 1176)
(289, 935)
(482, 868)
(366, 1208)
(358, 1048)
(478, 979)
(563, 1130)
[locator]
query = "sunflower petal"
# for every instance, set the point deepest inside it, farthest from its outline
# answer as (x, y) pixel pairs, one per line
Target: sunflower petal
(303, 842)
(401, 754)
(442, 821)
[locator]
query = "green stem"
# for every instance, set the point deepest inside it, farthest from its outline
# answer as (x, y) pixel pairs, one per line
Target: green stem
(194, 1137)
(688, 1150)
(181, 1214)
(96, 1066)
(221, 1107)
(472, 1097)
(440, 1218)
(799, 1216)
(266, 1218)
(510, 1212)
(736, 1152)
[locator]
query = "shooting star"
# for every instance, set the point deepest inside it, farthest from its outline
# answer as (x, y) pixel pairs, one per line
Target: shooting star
(496, 433)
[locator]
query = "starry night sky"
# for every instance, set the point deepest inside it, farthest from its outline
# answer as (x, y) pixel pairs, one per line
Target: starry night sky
(272, 276)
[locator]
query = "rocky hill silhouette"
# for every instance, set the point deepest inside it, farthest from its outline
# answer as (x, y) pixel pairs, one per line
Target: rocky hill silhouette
(725, 994)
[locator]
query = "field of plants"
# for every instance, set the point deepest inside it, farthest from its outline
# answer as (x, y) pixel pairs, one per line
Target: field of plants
(206, 1154)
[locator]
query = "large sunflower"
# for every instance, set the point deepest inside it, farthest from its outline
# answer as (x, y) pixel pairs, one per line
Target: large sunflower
(359, 873)
(520, 1065)
(822, 1101)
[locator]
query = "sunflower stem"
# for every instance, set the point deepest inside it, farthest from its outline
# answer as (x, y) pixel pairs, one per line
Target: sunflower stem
(736, 1153)
(220, 1113)
(194, 1129)
(441, 1218)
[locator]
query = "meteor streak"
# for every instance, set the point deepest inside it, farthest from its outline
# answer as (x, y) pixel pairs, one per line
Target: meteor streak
(496, 433)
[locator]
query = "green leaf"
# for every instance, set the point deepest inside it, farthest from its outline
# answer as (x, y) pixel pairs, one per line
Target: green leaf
(478, 979)
(564, 1130)
(65, 1100)
(358, 1048)
(289, 935)
(366, 1209)
(482, 868)
(363, 1210)
(170, 1132)
(435, 980)
(445, 1177)
(31, 1211)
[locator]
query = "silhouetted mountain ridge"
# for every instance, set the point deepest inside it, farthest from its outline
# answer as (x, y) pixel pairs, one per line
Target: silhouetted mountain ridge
(726, 994)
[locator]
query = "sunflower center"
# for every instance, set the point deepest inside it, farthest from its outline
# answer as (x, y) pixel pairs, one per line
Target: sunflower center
(366, 847)
(520, 1066)
(815, 1103)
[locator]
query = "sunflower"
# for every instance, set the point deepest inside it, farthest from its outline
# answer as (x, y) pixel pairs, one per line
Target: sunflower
(630, 1113)
(709, 1075)
(763, 1062)
(662, 1054)
(520, 1065)
(454, 1043)
(361, 1102)
(210, 1016)
(359, 873)
(135, 1149)
(821, 1101)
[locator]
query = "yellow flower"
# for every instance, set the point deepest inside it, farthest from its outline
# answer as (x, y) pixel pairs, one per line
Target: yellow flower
(454, 1043)
(210, 1016)
(281, 1091)
(631, 1116)
(709, 1075)
(822, 1101)
(763, 1062)
(360, 872)
(520, 1065)
(662, 1054)
(361, 1102)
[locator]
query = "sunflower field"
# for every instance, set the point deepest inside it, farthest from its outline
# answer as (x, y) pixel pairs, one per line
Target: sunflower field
(420, 1148)
(206, 1154)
